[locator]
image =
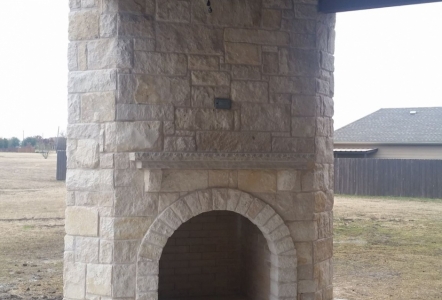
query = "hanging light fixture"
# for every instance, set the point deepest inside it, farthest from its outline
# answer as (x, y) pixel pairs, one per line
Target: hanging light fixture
(209, 7)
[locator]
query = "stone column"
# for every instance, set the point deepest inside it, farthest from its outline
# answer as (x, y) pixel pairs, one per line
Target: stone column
(143, 130)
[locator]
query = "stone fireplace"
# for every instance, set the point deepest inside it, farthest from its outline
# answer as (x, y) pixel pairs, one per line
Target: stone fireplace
(170, 197)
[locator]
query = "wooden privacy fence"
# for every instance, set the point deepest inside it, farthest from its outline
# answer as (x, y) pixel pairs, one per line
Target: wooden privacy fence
(388, 177)
(61, 165)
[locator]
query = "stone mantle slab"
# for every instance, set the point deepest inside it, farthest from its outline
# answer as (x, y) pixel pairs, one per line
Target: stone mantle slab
(210, 161)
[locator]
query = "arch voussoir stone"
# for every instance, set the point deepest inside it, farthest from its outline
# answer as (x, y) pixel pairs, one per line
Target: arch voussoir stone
(283, 257)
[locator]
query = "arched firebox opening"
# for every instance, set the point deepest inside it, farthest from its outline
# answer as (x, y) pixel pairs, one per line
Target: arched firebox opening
(218, 254)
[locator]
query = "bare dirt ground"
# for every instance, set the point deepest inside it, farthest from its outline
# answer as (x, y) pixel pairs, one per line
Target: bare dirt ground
(31, 227)
(384, 248)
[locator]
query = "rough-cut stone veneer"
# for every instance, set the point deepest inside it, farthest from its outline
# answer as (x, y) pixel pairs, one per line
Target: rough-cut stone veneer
(143, 77)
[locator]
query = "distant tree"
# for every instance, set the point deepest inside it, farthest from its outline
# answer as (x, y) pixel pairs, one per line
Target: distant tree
(2, 144)
(29, 141)
(13, 142)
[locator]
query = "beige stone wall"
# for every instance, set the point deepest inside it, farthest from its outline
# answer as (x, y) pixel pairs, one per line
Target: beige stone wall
(144, 138)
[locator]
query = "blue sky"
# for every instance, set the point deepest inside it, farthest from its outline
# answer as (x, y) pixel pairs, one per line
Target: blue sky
(384, 58)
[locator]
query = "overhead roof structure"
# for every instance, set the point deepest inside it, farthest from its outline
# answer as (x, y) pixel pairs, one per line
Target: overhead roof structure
(395, 126)
(333, 6)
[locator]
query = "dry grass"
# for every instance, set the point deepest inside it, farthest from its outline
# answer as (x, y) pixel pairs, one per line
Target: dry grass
(384, 248)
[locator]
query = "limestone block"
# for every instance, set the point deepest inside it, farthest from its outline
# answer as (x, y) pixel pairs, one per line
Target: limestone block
(250, 91)
(285, 261)
(106, 161)
(88, 3)
(244, 203)
(296, 206)
(150, 252)
(223, 178)
(132, 202)
(131, 227)
(109, 53)
(186, 38)
(170, 218)
(281, 4)
(89, 180)
(161, 89)
(305, 272)
(271, 18)
(266, 213)
(129, 178)
(148, 268)
(303, 41)
(193, 202)
(152, 180)
(233, 142)
(295, 145)
(262, 117)
(204, 63)
(82, 221)
(206, 200)
(92, 81)
(304, 253)
(167, 199)
(243, 54)
(179, 144)
(254, 36)
(182, 210)
(153, 63)
(131, 25)
(156, 239)
(255, 208)
(135, 6)
(168, 127)
(292, 85)
(134, 136)
(99, 279)
(257, 181)
(307, 286)
(70, 198)
(74, 280)
(327, 61)
(273, 223)
(74, 4)
(220, 198)
(123, 281)
(323, 273)
(108, 25)
(84, 25)
(161, 228)
(303, 231)
(83, 131)
(106, 252)
(184, 180)
(69, 243)
(304, 106)
(175, 11)
(86, 155)
(324, 127)
(324, 149)
(323, 249)
(74, 114)
(72, 56)
(283, 274)
(203, 119)
(289, 180)
(230, 13)
(86, 249)
(285, 289)
(139, 112)
(210, 78)
(298, 62)
(204, 96)
(270, 63)
(148, 283)
(246, 72)
(304, 26)
(144, 44)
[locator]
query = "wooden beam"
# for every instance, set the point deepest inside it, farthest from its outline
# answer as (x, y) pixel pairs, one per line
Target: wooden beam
(333, 6)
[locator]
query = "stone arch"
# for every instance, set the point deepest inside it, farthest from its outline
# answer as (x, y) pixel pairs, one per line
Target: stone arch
(283, 254)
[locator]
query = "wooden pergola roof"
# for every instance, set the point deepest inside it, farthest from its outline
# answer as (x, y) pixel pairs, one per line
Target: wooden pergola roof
(333, 6)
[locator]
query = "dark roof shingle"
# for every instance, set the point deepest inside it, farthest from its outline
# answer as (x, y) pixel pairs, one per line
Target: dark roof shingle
(395, 125)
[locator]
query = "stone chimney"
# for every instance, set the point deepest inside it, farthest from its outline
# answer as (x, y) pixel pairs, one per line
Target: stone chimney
(171, 196)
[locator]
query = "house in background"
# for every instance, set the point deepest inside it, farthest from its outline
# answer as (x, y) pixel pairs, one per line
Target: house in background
(403, 133)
